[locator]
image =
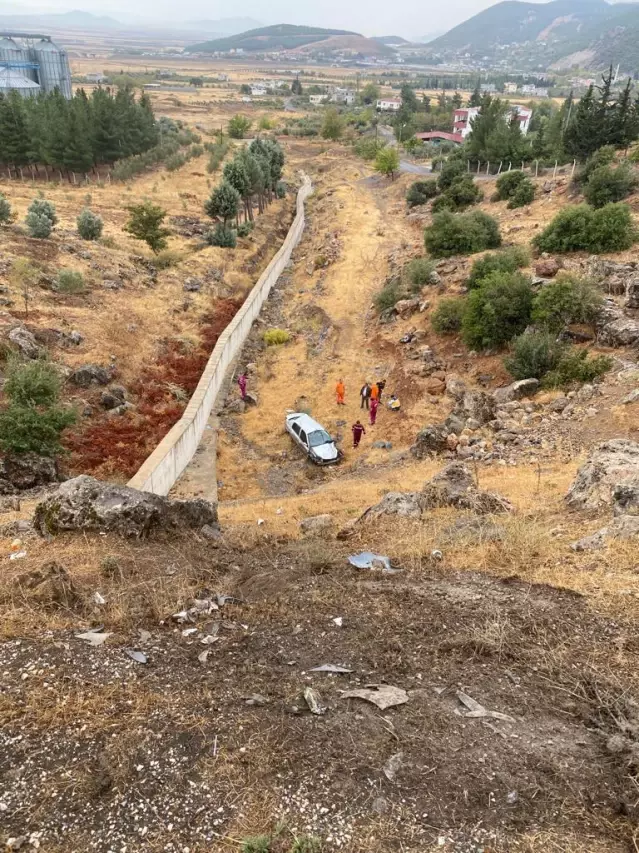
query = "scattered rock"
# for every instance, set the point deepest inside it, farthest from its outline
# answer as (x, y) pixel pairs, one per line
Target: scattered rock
(316, 524)
(192, 285)
(625, 499)
(402, 504)
(85, 503)
(623, 527)
(251, 398)
(27, 470)
(559, 404)
(25, 341)
(478, 406)
(611, 464)
(113, 397)
(406, 307)
(110, 284)
(382, 445)
(430, 440)
(548, 267)
(90, 374)
(615, 329)
(633, 397)
(235, 407)
(515, 391)
(455, 387)
(455, 486)
(50, 585)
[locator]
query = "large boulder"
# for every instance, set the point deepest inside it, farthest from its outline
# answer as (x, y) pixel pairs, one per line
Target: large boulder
(624, 527)
(113, 397)
(454, 486)
(402, 504)
(632, 292)
(85, 503)
(90, 374)
(515, 391)
(316, 524)
(26, 470)
(478, 406)
(614, 329)
(25, 341)
(548, 267)
(430, 440)
(625, 499)
(612, 464)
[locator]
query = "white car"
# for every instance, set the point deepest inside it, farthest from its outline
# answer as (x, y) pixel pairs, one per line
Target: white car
(312, 438)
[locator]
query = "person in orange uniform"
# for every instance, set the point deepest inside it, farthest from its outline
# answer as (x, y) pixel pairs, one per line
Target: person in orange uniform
(375, 392)
(340, 390)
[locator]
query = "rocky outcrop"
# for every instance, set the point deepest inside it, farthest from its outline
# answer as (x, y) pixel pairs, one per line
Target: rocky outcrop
(624, 527)
(430, 440)
(548, 267)
(515, 391)
(25, 341)
(26, 471)
(615, 329)
(455, 486)
(113, 397)
(402, 504)
(612, 469)
(478, 406)
(625, 498)
(85, 503)
(316, 524)
(90, 374)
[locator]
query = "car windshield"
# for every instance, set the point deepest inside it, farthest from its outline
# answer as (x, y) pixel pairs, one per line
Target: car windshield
(320, 436)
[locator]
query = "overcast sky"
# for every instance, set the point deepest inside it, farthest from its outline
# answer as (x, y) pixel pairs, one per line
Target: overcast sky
(408, 18)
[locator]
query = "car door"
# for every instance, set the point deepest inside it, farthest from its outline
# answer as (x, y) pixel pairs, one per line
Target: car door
(296, 433)
(304, 440)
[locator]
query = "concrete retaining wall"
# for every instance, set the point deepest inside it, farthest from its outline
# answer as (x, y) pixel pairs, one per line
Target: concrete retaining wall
(169, 459)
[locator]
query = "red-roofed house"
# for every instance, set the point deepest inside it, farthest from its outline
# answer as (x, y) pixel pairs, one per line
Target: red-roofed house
(440, 136)
(463, 117)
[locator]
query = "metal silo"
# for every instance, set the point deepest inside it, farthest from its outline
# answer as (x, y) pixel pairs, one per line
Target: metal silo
(54, 67)
(15, 56)
(13, 79)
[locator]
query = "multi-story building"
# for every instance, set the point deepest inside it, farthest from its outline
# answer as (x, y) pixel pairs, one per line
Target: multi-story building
(462, 119)
(389, 104)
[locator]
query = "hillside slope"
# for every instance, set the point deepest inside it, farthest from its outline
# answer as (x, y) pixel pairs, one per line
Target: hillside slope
(277, 37)
(551, 31)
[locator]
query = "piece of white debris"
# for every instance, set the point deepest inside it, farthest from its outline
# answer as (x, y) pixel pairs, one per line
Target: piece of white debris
(339, 621)
(138, 657)
(382, 695)
(98, 598)
(94, 638)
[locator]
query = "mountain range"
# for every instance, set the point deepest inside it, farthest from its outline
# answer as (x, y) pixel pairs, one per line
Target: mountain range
(296, 39)
(561, 34)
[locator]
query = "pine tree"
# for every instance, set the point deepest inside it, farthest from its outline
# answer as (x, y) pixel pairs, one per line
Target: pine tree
(581, 136)
(224, 203)
(626, 125)
(79, 153)
(475, 98)
(14, 136)
(56, 136)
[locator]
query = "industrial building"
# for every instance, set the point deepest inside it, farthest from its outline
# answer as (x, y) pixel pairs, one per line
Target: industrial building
(31, 63)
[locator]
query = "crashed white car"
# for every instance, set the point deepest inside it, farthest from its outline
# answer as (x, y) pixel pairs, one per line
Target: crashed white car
(312, 438)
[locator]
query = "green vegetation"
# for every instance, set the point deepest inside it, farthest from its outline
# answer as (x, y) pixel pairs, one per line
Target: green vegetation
(173, 136)
(368, 147)
(510, 260)
(460, 194)
(461, 234)
(540, 355)
(452, 169)
(257, 844)
(418, 272)
(498, 310)
(33, 421)
(333, 126)
(75, 134)
(580, 228)
(217, 152)
(5, 210)
(239, 126)
(245, 228)
(387, 162)
(90, 225)
(145, 223)
(70, 281)
(389, 295)
(223, 237)
(515, 188)
(607, 184)
(223, 203)
(276, 337)
(264, 39)
(566, 300)
(41, 218)
(421, 192)
(447, 318)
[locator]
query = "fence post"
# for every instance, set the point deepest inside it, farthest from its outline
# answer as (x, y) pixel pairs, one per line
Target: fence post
(510, 165)
(468, 162)
(500, 165)
(21, 175)
(574, 163)
(536, 167)
(554, 173)
(487, 167)
(74, 181)
(522, 165)
(478, 166)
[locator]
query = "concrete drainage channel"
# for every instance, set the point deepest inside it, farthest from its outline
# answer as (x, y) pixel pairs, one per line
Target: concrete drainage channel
(164, 466)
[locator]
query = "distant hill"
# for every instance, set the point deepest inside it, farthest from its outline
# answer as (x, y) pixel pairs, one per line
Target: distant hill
(390, 40)
(278, 37)
(589, 33)
(65, 20)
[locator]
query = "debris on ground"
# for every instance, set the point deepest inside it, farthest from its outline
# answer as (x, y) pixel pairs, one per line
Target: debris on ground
(312, 699)
(138, 657)
(393, 766)
(330, 667)
(94, 638)
(368, 560)
(475, 710)
(382, 695)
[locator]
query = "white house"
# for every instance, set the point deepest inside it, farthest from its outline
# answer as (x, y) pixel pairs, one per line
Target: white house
(389, 104)
(343, 96)
(531, 89)
(257, 90)
(510, 88)
(463, 118)
(317, 99)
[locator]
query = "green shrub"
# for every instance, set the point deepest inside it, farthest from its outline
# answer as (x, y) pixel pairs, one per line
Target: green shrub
(25, 429)
(523, 195)
(42, 207)
(245, 229)
(580, 228)
(568, 299)
(447, 317)
(497, 310)
(280, 189)
(576, 367)
(70, 281)
(463, 192)
(388, 295)
(510, 260)
(256, 844)
(461, 234)
(90, 225)
(32, 383)
(276, 337)
(368, 147)
(38, 225)
(420, 192)
(451, 169)
(607, 184)
(217, 152)
(239, 126)
(418, 272)
(603, 157)
(5, 210)
(175, 162)
(225, 238)
(508, 183)
(306, 844)
(533, 355)
(441, 203)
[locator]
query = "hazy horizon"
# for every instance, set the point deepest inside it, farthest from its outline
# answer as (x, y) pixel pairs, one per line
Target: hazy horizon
(370, 17)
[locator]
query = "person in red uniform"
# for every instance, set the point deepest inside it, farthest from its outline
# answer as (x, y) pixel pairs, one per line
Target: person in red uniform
(373, 411)
(358, 432)
(242, 380)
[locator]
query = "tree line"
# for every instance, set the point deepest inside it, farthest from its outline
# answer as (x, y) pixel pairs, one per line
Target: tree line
(75, 134)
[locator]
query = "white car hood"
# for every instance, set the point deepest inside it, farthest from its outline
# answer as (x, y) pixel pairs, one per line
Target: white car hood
(325, 451)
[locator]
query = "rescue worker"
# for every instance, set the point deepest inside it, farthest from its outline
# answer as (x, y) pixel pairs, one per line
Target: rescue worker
(358, 432)
(340, 390)
(365, 394)
(373, 411)
(241, 381)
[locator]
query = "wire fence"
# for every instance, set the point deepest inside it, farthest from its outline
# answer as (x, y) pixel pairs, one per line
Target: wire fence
(47, 173)
(534, 167)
